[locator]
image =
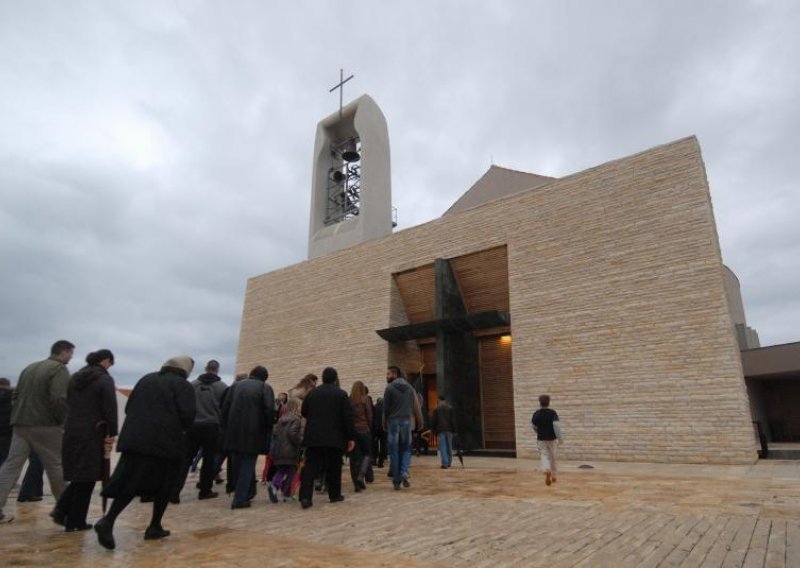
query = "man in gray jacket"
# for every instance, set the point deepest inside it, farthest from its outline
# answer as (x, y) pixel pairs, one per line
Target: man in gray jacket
(205, 432)
(401, 412)
(38, 412)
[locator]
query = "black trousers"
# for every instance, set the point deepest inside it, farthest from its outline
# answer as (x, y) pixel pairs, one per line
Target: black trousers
(380, 449)
(205, 437)
(74, 503)
(317, 459)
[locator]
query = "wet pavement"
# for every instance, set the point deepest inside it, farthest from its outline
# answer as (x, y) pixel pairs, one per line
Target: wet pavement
(493, 512)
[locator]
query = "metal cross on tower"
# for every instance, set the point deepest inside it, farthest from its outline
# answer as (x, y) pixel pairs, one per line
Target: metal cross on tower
(340, 86)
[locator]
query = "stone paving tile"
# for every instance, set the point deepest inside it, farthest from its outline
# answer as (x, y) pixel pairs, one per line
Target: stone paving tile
(494, 512)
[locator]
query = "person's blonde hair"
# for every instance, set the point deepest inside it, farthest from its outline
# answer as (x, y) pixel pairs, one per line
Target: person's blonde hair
(293, 405)
(357, 392)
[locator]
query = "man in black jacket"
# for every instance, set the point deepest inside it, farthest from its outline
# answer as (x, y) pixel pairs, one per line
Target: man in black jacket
(329, 430)
(248, 413)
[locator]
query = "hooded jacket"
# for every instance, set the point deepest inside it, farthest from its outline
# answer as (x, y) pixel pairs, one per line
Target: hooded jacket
(92, 404)
(398, 400)
(208, 391)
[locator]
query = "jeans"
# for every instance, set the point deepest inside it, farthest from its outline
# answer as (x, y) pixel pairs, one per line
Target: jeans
(245, 468)
(399, 442)
(446, 447)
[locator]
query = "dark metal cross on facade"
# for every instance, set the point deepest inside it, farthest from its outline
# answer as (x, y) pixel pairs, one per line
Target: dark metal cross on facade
(340, 86)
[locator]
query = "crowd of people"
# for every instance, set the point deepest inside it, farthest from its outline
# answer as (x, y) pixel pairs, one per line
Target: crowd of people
(69, 424)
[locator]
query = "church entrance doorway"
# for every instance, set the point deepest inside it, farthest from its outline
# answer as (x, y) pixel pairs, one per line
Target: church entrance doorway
(454, 326)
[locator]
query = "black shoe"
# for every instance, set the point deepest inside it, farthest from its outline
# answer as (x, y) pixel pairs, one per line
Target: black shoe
(58, 517)
(146, 499)
(357, 487)
(361, 484)
(337, 499)
(208, 495)
(405, 481)
(197, 485)
(389, 474)
(84, 527)
(175, 500)
(305, 503)
(29, 499)
(443, 467)
(273, 497)
(396, 486)
(219, 480)
(245, 505)
(105, 534)
(155, 533)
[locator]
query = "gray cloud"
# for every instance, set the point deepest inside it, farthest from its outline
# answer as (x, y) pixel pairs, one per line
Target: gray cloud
(153, 157)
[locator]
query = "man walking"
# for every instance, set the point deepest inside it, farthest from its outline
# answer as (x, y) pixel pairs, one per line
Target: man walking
(329, 430)
(37, 415)
(248, 413)
(204, 433)
(443, 424)
(400, 407)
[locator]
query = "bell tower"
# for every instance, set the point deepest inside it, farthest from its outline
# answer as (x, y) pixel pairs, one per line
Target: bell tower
(351, 194)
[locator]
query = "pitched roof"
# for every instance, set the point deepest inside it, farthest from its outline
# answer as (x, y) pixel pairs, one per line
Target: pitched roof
(497, 182)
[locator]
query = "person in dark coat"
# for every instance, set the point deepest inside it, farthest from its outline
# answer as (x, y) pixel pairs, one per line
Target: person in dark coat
(362, 422)
(379, 448)
(285, 451)
(329, 431)
(5, 418)
(248, 413)
(91, 425)
(160, 409)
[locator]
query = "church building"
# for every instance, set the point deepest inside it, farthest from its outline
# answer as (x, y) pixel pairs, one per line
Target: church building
(604, 289)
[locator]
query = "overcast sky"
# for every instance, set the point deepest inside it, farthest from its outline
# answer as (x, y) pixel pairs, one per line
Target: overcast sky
(155, 155)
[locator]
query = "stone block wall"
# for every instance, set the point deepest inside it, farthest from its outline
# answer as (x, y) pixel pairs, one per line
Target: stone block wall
(618, 310)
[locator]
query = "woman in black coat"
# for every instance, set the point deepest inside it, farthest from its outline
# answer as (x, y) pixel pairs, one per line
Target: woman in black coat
(91, 425)
(160, 409)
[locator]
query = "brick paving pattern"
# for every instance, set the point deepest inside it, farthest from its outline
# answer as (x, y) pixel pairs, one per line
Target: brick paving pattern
(494, 512)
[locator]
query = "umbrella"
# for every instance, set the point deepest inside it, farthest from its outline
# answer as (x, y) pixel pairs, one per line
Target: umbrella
(102, 428)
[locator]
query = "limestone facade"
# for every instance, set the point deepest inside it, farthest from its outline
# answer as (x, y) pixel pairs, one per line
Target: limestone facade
(617, 301)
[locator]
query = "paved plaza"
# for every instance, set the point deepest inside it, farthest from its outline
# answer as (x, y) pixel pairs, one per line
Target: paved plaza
(494, 512)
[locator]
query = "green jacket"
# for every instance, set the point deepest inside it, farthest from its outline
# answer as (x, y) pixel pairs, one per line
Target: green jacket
(41, 395)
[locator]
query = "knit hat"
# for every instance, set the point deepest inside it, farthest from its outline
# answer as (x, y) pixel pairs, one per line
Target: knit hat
(182, 362)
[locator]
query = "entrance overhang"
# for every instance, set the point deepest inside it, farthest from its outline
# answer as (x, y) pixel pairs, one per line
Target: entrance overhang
(464, 323)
